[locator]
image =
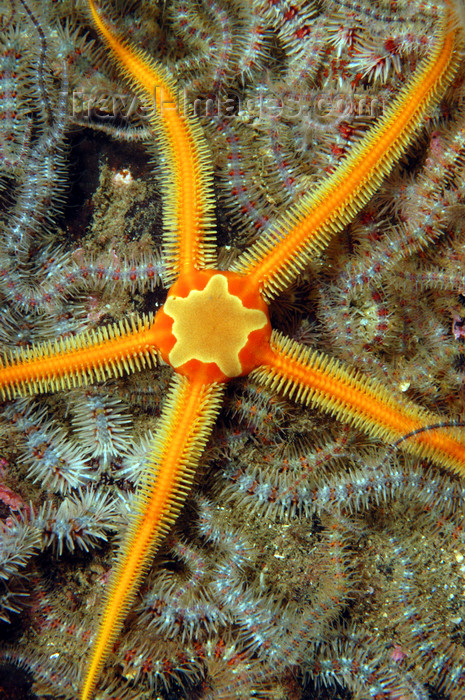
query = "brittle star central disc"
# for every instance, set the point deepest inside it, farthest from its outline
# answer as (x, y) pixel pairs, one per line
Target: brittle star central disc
(212, 326)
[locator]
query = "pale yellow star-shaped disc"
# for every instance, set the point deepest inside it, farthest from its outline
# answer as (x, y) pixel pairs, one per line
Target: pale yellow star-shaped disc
(212, 325)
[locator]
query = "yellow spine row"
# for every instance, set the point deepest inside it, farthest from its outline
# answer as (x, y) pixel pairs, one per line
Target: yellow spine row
(312, 378)
(78, 360)
(188, 202)
(185, 426)
(276, 259)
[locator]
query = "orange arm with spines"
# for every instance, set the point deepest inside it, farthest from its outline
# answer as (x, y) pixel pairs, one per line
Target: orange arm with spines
(276, 259)
(69, 362)
(188, 196)
(184, 428)
(312, 378)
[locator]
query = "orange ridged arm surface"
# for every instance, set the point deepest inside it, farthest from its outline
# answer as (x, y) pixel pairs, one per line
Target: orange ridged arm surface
(276, 259)
(188, 196)
(184, 428)
(312, 378)
(66, 363)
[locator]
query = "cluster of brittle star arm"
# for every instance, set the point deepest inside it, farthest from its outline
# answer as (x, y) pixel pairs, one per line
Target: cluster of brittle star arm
(215, 326)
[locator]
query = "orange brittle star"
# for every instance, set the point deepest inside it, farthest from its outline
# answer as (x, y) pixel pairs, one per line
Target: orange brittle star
(215, 326)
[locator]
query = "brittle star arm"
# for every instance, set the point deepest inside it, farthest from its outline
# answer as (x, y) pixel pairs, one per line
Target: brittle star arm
(184, 428)
(276, 259)
(312, 378)
(188, 200)
(79, 360)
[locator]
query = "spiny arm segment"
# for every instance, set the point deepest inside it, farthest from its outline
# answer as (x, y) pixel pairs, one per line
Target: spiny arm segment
(312, 378)
(188, 202)
(65, 363)
(185, 426)
(282, 253)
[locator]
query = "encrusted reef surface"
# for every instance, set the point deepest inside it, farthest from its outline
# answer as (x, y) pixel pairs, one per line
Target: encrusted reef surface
(310, 561)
